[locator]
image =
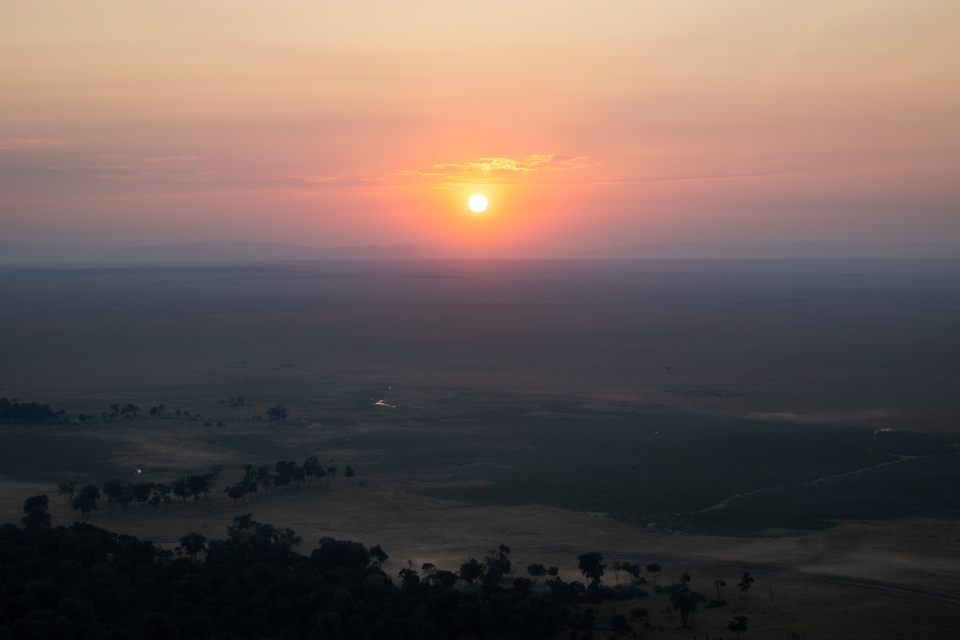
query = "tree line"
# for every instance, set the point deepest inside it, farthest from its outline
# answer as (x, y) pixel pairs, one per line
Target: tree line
(123, 494)
(26, 411)
(206, 585)
(86, 582)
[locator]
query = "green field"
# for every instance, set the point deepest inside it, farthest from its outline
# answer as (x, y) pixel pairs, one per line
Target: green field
(683, 471)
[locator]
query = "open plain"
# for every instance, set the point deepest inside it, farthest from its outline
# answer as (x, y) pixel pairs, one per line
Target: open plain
(798, 420)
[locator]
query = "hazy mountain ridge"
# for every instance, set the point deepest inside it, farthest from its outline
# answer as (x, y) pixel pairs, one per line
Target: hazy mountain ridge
(247, 251)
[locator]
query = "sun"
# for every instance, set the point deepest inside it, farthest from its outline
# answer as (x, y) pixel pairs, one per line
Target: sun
(477, 203)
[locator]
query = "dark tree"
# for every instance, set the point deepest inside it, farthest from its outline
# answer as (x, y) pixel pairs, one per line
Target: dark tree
(471, 571)
(142, 491)
(277, 412)
(332, 472)
(553, 572)
(378, 556)
(718, 584)
(91, 492)
(592, 567)
(738, 625)
(537, 571)
(744, 585)
(683, 600)
(617, 567)
(25, 412)
(181, 489)
(67, 489)
(524, 586)
(35, 509)
(311, 466)
(620, 625)
(192, 544)
(113, 490)
(265, 477)
(654, 569)
(285, 473)
(84, 504)
(115, 408)
(215, 472)
(348, 474)
(236, 492)
(131, 408)
(299, 475)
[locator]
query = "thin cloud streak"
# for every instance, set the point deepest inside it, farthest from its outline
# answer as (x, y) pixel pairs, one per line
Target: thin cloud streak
(26, 143)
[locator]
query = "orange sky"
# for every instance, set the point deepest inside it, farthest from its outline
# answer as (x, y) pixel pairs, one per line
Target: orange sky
(585, 124)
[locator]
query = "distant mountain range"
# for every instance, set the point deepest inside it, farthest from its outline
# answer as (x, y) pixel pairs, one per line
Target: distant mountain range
(245, 251)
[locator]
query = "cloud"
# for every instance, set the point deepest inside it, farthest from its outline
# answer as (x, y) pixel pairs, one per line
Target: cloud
(113, 155)
(330, 181)
(26, 143)
(167, 158)
(493, 170)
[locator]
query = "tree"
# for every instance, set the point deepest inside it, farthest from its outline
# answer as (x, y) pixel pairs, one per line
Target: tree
(284, 473)
(91, 492)
(115, 408)
(215, 472)
(553, 572)
(277, 412)
(265, 477)
(332, 472)
(744, 585)
(35, 509)
(683, 600)
(192, 544)
(633, 570)
(197, 484)
(617, 567)
(84, 504)
(349, 473)
(113, 489)
(537, 571)
(378, 556)
(592, 567)
(738, 625)
(654, 569)
(236, 492)
(67, 489)
(718, 584)
(311, 466)
(131, 408)
(299, 475)
(181, 489)
(164, 492)
(620, 625)
(470, 571)
(142, 491)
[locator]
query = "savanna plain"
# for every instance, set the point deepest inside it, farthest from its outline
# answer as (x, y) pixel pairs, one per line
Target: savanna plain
(796, 420)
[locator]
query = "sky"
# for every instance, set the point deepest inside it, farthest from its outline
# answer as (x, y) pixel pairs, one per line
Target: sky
(585, 124)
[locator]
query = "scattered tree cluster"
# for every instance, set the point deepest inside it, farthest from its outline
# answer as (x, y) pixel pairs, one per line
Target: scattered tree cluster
(26, 411)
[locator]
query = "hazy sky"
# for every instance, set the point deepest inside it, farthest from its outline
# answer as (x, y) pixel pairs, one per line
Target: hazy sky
(586, 124)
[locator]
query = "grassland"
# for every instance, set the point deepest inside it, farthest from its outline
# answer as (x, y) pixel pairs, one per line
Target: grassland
(636, 412)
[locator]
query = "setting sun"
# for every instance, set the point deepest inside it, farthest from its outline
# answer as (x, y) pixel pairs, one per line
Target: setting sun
(477, 203)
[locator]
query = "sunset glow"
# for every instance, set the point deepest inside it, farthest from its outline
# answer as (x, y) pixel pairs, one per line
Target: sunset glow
(370, 123)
